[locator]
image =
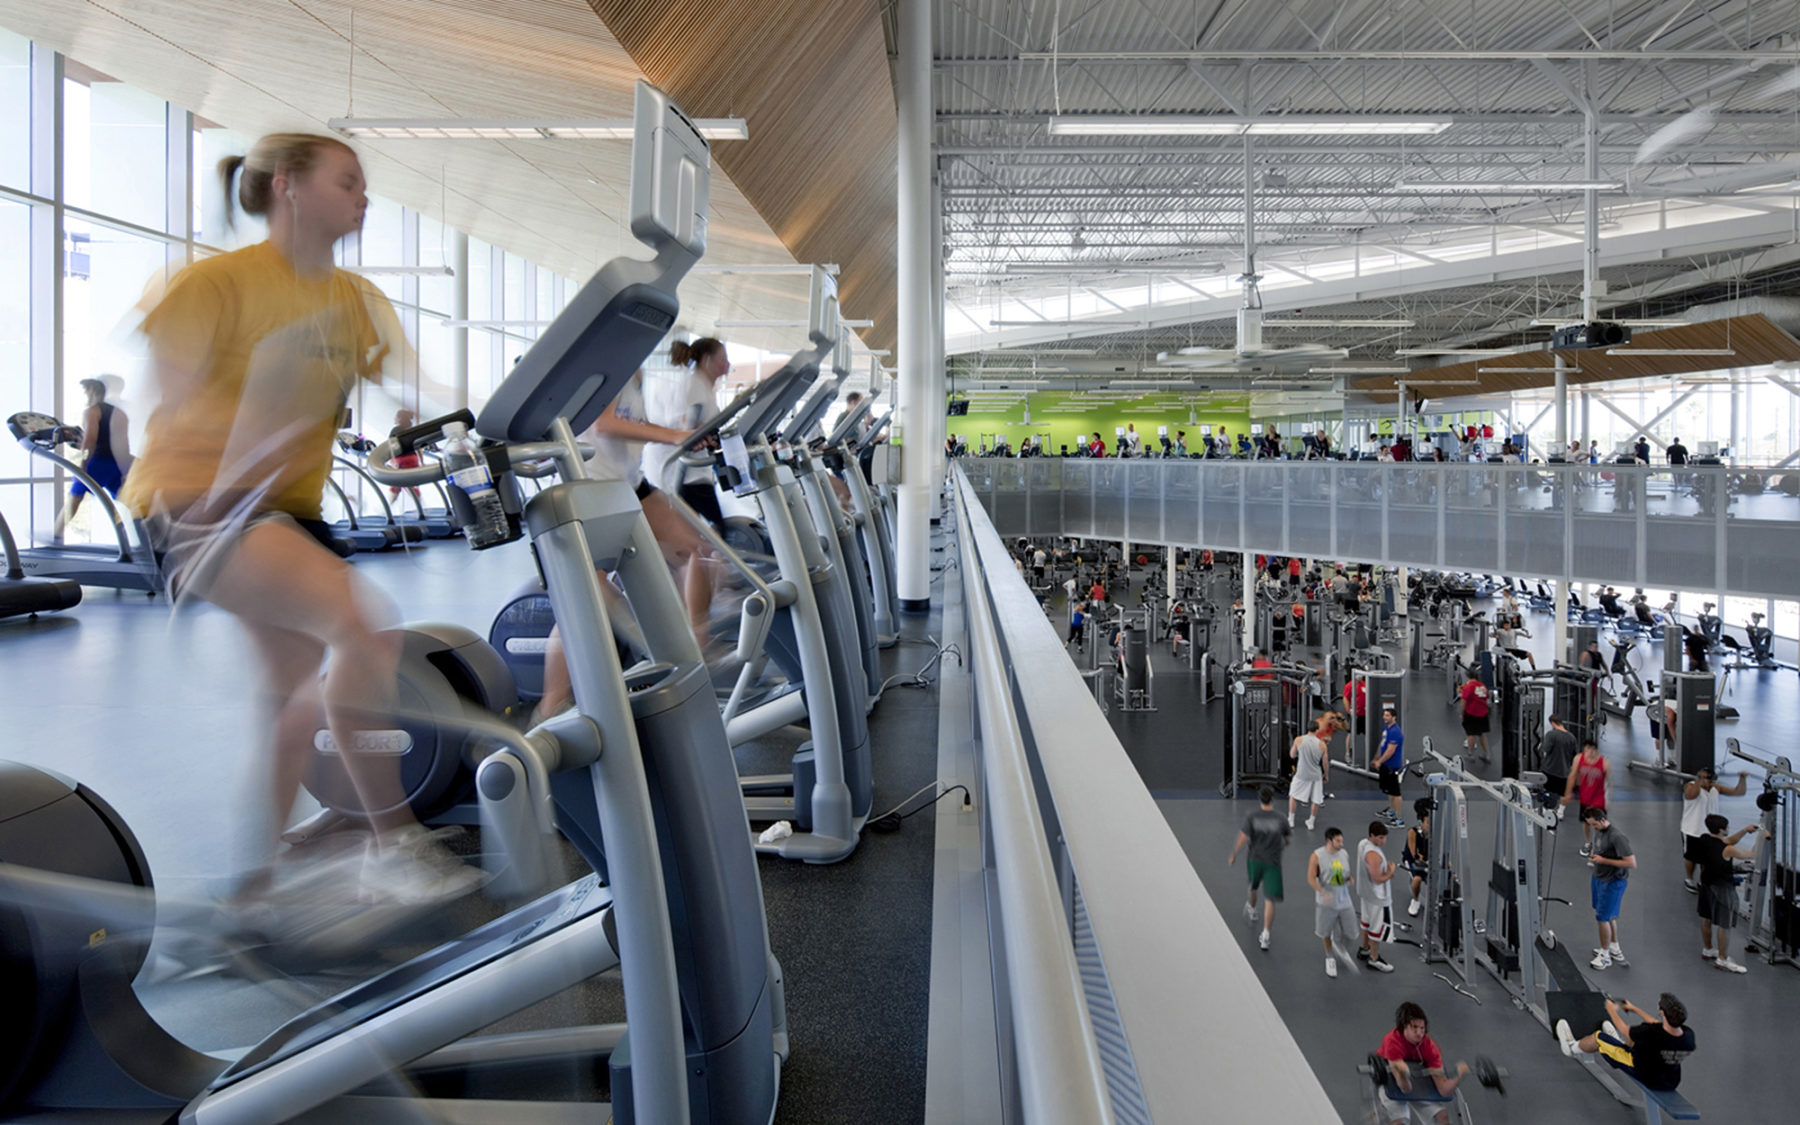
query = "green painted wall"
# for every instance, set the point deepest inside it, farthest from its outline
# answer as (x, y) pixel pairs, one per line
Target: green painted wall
(1064, 428)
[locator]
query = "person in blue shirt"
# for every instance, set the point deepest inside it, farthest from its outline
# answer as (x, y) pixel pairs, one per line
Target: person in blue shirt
(1389, 761)
(1076, 620)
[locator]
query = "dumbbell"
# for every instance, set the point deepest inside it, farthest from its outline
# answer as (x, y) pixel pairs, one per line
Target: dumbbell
(1486, 1073)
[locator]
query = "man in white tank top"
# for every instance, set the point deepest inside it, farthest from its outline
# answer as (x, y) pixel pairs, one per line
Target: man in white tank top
(1375, 892)
(1699, 800)
(1312, 767)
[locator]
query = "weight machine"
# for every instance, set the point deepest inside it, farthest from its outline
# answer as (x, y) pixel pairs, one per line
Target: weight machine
(1774, 929)
(1380, 688)
(1269, 708)
(1132, 688)
(1524, 700)
(1508, 938)
(1686, 745)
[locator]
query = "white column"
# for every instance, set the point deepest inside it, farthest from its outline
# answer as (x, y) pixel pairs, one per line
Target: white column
(1559, 630)
(1560, 409)
(915, 427)
(1737, 458)
(459, 310)
(1248, 640)
(1169, 578)
(941, 423)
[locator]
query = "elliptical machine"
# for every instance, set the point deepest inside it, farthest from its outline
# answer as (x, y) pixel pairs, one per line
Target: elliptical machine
(646, 765)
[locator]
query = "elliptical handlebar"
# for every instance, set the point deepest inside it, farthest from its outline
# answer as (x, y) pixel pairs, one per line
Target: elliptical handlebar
(527, 459)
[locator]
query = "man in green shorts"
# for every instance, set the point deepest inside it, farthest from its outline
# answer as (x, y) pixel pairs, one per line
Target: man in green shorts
(1266, 832)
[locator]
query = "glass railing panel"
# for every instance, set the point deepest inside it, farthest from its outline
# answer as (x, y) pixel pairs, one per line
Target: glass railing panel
(1078, 498)
(1145, 481)
(1603, 532)
(1266, 492)
(1472, 517)
(1310, 488)
(1181, 503)
(1534, 522)
(1361, 493)
(1109, 499)
(1221, 486)
(1413, 513)
(1761, 521)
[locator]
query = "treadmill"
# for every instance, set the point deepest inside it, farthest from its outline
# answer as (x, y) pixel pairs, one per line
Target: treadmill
(21, 596)
(127, 563)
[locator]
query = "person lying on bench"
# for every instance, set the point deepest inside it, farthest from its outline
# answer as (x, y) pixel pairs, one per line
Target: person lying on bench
(1650, 1052)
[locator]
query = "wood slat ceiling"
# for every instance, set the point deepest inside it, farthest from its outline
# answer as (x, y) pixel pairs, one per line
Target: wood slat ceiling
(1755, 340)
(812, 78)
(258, 66)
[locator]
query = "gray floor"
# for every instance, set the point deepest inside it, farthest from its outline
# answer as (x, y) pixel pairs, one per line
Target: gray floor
(158, 716)
(1745, 1044)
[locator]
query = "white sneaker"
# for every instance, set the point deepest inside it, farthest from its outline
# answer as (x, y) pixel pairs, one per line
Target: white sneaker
(1412, 908)
(1730, 966)
(1601, 961)
(1309, 823)
(1708, 954)
(1331, 967)
(412, 866)
(1380, 966)
(1566, 1039)
(1693, 888)
(1290, 820)
(1249, 913)
(1611, 1031)
(1618, 956)
(1560, 810)
(1262, 942)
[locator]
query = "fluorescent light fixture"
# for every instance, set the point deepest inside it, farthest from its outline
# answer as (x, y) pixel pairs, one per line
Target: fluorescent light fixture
(1408, 353)
(1542, 370)
(1444, 382)
(402, 271)
(1549, 323)
(1064, 324)
(1019, 353)
(1520, 187)
(803, 270)
(459, 129)
(1347, 323)
(1671, 351)
(1359, 371)
(785, 323)
(1155, 268)
(450, 323)
(1174, 125)
(1144, 127)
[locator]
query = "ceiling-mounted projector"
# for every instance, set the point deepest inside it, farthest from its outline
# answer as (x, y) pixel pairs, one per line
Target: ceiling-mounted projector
(1598, 334)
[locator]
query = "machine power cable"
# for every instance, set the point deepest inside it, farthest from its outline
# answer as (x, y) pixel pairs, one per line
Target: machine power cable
(890, 821)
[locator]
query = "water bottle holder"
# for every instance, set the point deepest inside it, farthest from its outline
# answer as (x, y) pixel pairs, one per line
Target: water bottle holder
(462, 513)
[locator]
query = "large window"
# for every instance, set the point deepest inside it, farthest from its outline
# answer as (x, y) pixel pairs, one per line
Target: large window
(15, 111)
(115, 149)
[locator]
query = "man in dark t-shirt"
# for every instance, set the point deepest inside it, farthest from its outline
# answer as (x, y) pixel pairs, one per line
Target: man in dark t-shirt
(1650, 1051)
(1678, 454)
(1267, 833)
(1556, 753)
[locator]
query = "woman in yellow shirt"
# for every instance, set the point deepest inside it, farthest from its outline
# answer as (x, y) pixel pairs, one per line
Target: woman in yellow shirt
(256, 352)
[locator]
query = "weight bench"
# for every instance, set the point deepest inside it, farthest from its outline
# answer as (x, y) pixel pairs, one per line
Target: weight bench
(1665, 1103)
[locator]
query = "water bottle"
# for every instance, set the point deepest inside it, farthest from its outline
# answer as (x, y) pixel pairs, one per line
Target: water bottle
(468, 472)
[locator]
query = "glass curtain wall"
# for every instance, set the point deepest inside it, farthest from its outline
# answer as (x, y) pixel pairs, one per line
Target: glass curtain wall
(97, 215)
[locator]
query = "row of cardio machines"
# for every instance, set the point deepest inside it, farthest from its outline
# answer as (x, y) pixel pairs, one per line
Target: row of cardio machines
(639, 776)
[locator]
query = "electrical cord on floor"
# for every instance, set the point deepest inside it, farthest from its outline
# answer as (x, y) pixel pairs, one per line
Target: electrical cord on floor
(889, 821)
(917, 679)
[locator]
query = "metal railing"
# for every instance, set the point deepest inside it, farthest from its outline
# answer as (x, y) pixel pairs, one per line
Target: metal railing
(1700, 527)
(1125, 994)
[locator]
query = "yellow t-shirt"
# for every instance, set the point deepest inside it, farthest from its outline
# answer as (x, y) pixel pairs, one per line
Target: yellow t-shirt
(256, 364)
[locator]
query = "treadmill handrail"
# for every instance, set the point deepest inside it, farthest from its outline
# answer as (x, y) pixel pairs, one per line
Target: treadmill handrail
(15, 570)
(99, 493)
(357, 468)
